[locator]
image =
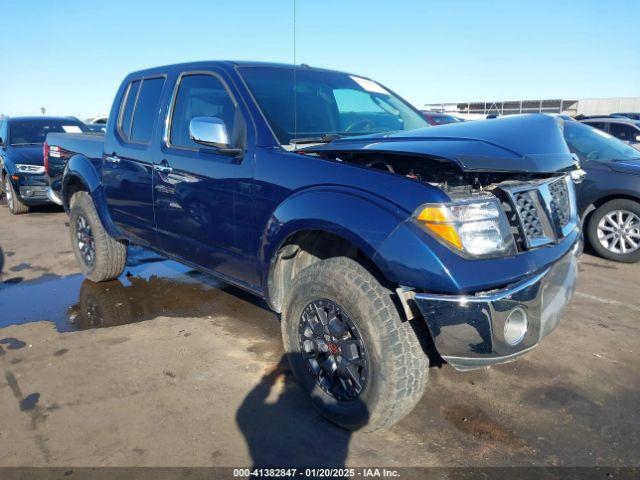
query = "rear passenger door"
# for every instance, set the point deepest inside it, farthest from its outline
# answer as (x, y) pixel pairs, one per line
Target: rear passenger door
(127, 172)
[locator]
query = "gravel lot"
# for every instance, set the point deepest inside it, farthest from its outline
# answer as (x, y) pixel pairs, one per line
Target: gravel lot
(188, 372)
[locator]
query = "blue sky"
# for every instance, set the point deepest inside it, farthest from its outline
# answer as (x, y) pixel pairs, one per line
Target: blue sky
(70, 56)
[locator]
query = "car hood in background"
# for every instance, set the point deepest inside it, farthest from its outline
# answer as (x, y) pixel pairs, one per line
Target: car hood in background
(516, 143)
(27, 155)
(626, 166)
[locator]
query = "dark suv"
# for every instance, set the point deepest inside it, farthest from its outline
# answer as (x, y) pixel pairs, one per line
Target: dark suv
(21, 159)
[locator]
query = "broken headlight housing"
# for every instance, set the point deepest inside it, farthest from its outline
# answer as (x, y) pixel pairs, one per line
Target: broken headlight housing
(474, 228)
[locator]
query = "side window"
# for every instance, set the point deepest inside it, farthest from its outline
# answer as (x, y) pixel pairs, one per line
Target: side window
(200, 95)
(3, 131)
(146, 111)
(622, 131)
(126, 113)
(598, 125)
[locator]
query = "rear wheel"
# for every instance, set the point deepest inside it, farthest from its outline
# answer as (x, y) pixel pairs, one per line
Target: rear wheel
(614, 230)
(14, 203)
(349, 348)
(100, 256)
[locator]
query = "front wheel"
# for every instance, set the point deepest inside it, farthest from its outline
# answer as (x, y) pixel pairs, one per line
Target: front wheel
(16, 207)
(614, 230)
(100, 256)
(349, 348)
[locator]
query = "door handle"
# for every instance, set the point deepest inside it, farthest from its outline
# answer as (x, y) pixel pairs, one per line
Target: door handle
(112, 159)
(163, 168)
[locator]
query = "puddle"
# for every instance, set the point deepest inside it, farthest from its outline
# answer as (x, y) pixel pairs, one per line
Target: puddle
(150, 287)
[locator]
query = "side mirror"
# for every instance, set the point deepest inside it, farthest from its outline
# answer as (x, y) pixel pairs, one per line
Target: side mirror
(209, 131)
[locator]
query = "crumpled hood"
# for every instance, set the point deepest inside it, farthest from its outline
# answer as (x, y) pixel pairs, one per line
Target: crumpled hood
(27, 155)
(626, 166)
(517, 143)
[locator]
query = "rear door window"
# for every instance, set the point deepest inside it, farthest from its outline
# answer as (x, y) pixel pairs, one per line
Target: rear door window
(146, 110)
(126, 113)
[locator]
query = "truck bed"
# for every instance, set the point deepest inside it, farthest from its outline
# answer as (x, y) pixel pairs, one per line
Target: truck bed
(62, 146)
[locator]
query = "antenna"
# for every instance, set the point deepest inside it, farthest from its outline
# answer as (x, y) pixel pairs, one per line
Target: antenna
(295, 101)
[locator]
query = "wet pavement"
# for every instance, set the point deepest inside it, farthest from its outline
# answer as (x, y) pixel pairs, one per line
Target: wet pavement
(168, 367)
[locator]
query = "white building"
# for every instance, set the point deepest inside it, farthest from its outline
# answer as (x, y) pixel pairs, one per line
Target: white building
(589, 106)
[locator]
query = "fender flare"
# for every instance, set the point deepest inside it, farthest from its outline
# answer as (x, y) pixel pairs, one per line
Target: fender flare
(363, 219)
(80, 169)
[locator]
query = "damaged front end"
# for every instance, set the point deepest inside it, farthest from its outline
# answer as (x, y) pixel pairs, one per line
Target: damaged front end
(507, 242)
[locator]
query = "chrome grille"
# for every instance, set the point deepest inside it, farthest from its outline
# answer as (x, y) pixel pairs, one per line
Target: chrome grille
(560, 201)
(545, 212)
(528, 215)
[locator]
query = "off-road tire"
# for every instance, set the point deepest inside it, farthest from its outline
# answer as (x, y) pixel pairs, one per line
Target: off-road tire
(16, 207)
(592, 229)
(397, 365)
(110, 254)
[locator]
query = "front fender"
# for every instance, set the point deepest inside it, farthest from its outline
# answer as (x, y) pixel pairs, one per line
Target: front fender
(81, 170)
(413, 258)
(359, 217)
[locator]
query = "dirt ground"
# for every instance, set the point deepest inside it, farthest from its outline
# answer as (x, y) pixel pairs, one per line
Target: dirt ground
(167, 367)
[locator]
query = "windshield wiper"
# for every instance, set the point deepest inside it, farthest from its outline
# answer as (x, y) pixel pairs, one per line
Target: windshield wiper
(329, 137)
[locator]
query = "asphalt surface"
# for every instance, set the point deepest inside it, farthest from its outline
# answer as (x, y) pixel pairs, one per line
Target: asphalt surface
(167, 367)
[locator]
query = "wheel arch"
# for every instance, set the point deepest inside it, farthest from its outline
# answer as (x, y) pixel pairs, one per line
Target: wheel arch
(304, 248)
(319, 223)
(81, 175)
(593, 206)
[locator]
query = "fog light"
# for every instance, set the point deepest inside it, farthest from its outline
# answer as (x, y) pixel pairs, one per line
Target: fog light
(515, 328)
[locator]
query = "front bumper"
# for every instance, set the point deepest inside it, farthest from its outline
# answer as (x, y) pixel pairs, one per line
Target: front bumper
(475, 331)
(32, 189)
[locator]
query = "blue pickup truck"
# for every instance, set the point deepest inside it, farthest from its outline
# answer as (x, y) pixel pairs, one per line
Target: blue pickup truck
(323, 193)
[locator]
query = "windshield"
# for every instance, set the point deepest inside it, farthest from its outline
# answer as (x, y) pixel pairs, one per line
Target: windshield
(593, 144)
(34, 132)
(326, 104)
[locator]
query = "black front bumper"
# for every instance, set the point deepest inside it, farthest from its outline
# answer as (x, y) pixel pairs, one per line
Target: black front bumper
(32, 189)
(475, 331)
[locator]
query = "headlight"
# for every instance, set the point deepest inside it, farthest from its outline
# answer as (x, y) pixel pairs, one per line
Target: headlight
(476, 228)
(30, 168)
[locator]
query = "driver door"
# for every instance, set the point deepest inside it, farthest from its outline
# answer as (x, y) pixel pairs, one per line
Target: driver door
(198, 189)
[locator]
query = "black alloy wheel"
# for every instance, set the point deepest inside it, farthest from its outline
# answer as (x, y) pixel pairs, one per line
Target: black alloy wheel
(86, 242)
(333, 349)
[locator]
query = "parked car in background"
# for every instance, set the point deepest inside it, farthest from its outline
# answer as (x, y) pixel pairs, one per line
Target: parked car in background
(364, 229)
(631, 115)
(439, 118)
(96, 127)
(96, 120)
(623, 129)
(609, 195)
(22, 172)
(96, 124)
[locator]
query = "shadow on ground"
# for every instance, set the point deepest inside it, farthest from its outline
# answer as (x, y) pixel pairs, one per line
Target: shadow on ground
(278, 434)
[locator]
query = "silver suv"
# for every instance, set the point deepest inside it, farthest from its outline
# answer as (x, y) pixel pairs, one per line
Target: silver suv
(624, 129)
